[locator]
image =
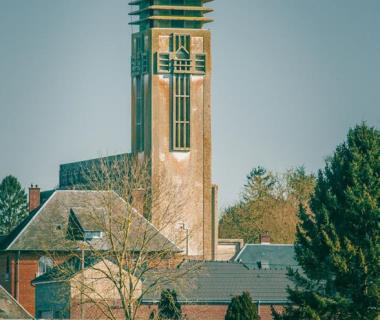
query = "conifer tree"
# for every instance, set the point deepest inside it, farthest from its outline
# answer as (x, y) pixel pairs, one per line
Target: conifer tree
(260, 184)
(338, 243)
(13, 204)
(169, 308)
(242, 308)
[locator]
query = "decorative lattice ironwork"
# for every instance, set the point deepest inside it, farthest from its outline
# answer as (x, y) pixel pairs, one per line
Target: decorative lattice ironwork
(140, 64)
(180, 60)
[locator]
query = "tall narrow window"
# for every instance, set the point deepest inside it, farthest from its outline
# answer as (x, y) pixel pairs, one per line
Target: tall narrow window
(140, 113)
(8, 269)
(181, 112)
(44, 265)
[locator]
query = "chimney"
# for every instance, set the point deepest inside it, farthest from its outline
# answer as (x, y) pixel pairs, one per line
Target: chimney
(264, 238)
(138, 198)
(34, 197)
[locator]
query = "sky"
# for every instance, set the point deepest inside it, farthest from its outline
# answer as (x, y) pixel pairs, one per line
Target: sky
(290, 77)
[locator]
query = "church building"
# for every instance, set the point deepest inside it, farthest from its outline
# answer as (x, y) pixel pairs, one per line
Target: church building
(171, 66)
(171, 108)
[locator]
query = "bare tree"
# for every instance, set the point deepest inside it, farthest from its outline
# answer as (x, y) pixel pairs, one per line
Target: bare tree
(269, 204)
(115, 255)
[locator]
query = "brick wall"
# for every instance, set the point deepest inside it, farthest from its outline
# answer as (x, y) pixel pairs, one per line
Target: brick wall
(21, 288)
(207, 312)
(192, 312)
(28, 267)
(266, 311)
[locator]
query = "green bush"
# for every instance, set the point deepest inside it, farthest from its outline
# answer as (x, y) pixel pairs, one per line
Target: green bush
(242, 308)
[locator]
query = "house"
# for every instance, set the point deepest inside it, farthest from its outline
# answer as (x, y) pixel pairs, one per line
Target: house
(65, 224)
(205, 288)
(10, 308)
(65, 292)
(204, 292)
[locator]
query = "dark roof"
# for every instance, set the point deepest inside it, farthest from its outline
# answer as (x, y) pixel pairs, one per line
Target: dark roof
(276, 255)
(45, 195)
(217, 282)
(47, 228)
(74, 175)
(10, 308)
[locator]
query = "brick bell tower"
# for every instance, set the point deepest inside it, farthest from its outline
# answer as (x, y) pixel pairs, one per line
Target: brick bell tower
(171, 108)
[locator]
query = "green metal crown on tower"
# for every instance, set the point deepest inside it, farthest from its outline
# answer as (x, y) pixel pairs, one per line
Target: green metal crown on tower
(187, 14)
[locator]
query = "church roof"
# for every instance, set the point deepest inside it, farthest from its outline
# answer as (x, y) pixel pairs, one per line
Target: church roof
(47, 228)
(10, 308)
(73, 175)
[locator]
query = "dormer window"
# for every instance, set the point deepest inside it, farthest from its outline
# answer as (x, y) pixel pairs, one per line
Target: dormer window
(44, 265)
(89, 235)
(83, 225)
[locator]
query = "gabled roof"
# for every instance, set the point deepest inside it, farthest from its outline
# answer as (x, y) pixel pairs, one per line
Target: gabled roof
(46, 229)
(5, 241)
(10, 308)
(280, 256)
(217, 282)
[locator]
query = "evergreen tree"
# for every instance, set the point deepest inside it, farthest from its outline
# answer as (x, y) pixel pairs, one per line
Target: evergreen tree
(242, 308)
(168, 306)
(299, 185)
(338, 244)
(260, 184)
(13, 204)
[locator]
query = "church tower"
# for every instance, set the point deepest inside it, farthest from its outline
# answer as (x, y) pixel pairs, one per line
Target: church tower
(171, 107)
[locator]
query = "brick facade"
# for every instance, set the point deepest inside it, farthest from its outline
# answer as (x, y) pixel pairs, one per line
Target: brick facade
(22, 271)
(192, 312)
(18, 281)
(208, 312)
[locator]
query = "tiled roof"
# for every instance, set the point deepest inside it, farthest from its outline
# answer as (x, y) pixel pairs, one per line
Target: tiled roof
(10, 308)
(217, 282)
(46, 229)
(276, 255)
(5, 241)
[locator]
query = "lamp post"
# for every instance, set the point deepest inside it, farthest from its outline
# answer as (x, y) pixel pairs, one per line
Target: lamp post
(183, 227)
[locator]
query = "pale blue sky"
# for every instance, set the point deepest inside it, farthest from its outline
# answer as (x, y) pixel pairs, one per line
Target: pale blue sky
(290, 77)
